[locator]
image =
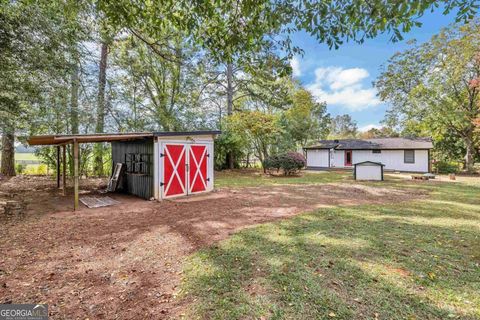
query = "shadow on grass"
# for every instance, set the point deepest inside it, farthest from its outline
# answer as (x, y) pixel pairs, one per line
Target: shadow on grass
(410, 260)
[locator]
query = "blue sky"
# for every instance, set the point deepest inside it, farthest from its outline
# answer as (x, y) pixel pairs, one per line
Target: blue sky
(344, 77)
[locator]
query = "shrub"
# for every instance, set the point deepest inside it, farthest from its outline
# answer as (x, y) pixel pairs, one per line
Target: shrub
(20, 168)
(290, 162)
(272, 163)
(33, 169)
(446, 167)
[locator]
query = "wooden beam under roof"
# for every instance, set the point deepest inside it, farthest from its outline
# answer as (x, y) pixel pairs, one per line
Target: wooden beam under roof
(86, 138)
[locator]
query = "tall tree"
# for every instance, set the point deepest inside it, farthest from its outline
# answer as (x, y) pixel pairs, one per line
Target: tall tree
(343, 127)
(74, 93)
(100, 118)
(256, 81)
(306, 120)
(8, 152)
(383, 132)
(230, 93)
(261, 129)
(429, 88)
(163, 88)
(31, 64)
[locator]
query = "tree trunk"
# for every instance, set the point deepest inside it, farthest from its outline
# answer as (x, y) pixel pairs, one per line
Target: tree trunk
(265, 156)
(75, 79)
(230, 156)
(8, 151)
(229, 89)
(469, 155)
(99, 127)
(74, 122)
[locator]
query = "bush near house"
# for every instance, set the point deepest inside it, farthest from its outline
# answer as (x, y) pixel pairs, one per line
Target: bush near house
(446, 167)
(290, 163)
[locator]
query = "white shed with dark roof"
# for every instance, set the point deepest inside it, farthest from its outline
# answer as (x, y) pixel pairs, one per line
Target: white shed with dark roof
(368, 170)
(396, 154)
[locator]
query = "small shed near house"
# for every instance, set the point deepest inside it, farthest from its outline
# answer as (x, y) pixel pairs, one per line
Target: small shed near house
(368, 170)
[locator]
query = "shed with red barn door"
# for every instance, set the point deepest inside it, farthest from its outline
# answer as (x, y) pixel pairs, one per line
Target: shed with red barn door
(184, 163)
(157, 165)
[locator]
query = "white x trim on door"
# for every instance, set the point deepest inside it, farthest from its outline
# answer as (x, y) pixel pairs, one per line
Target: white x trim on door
(175, 170)
(198, 170)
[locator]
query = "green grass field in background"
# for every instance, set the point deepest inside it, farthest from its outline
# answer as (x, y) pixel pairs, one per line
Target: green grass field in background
(26, 156)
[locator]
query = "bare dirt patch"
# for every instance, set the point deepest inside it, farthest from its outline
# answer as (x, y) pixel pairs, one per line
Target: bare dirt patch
(124, 262)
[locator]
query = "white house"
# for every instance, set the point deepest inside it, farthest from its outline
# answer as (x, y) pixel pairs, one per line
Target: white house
(397, 154)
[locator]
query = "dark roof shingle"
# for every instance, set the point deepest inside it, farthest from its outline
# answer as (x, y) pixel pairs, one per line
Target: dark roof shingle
(374, 144)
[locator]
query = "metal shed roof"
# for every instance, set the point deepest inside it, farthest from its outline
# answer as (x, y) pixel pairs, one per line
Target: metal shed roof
(375, 144)
(108, 137)
(186, 133)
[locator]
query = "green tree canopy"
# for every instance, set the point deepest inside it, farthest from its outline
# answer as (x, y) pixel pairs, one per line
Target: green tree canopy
(232, 28)
(429, 88)
(305, 121)
(343, 127)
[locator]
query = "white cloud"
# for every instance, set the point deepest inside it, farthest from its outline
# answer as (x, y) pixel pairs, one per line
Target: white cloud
(369, 126)
(295, 64)
(343, 87)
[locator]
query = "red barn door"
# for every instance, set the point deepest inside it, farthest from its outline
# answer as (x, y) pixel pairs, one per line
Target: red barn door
(198, 168)
(174, 170)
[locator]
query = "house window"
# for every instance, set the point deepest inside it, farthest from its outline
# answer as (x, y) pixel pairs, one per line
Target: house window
(376, 151)
(409, 156)
(138, 163)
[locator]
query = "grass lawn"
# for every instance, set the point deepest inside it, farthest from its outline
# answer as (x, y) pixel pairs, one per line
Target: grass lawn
(252, 178)
(416, 260)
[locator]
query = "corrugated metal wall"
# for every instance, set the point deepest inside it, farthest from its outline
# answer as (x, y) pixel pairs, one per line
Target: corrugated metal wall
(137, 184)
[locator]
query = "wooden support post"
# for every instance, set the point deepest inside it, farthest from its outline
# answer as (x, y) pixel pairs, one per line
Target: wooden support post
(75, 173)
(58, 167)
(64, 169)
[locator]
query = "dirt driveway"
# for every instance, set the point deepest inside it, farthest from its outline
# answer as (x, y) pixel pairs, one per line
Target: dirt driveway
(124, 262)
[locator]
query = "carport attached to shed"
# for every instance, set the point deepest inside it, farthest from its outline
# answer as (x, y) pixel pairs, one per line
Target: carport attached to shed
(368, 170)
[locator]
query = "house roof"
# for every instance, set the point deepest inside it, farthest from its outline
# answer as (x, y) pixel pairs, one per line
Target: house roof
(108, 137)
(374, 144)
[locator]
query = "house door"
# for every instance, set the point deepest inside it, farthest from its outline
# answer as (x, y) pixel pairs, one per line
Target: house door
(348, 158)
(184, 169)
